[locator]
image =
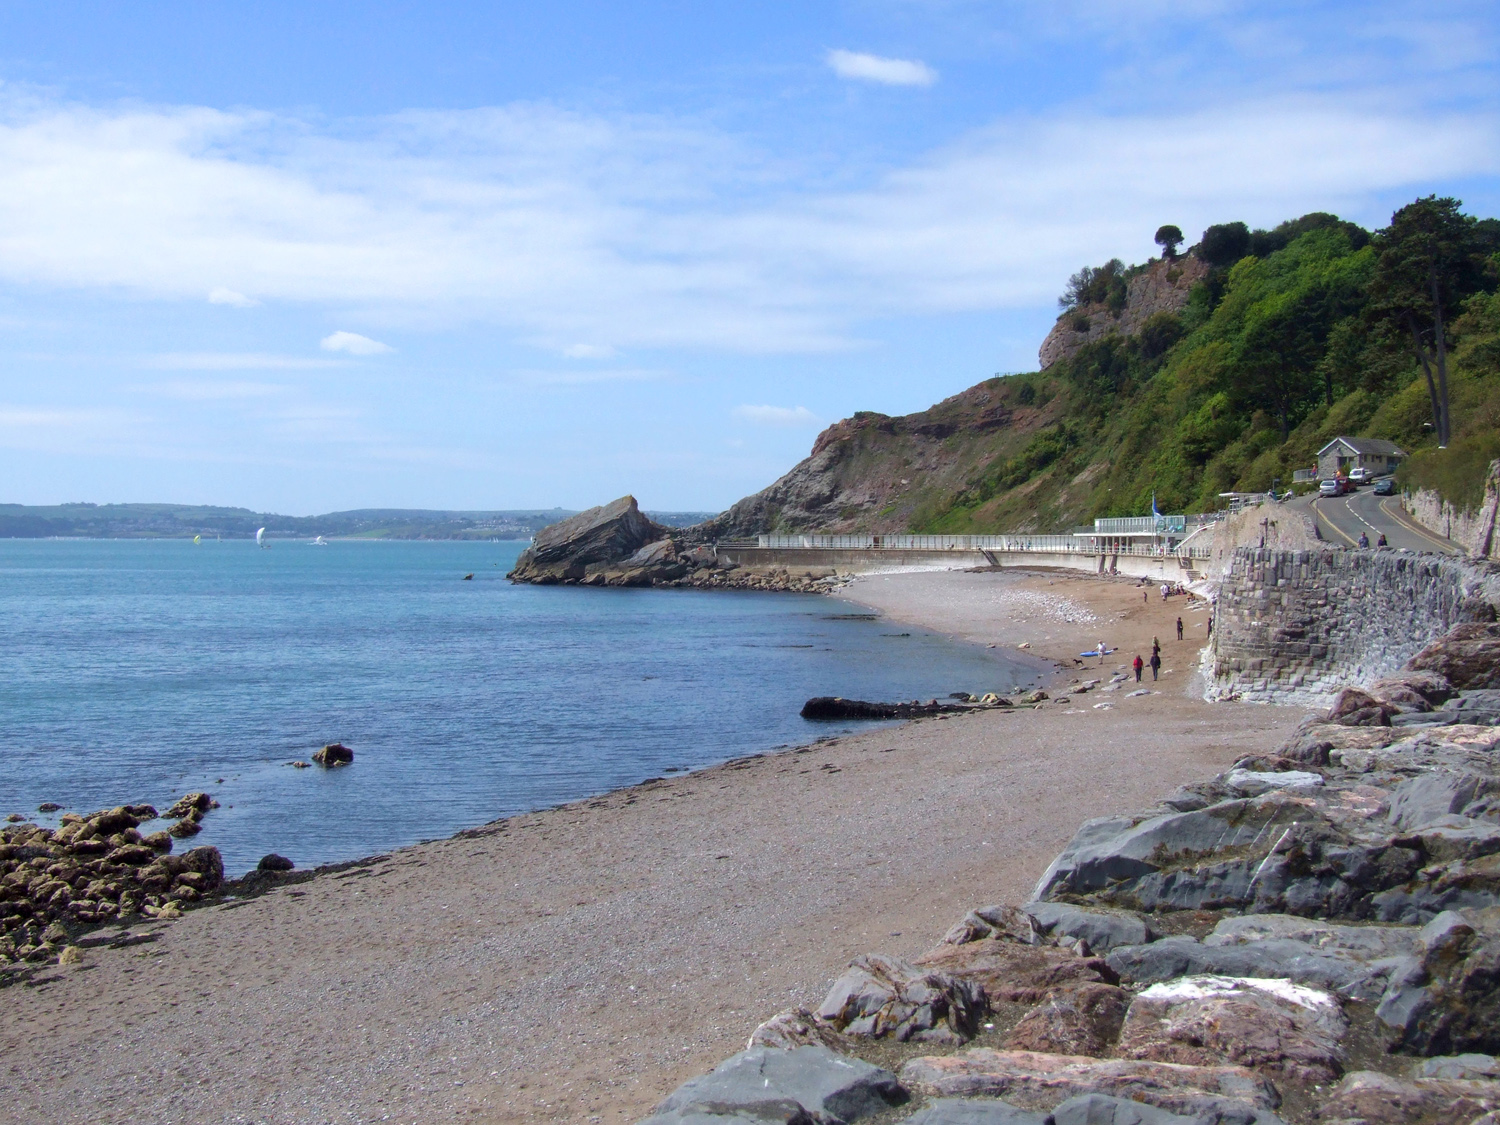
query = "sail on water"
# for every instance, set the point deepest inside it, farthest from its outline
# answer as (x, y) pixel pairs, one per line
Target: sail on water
(260, 537)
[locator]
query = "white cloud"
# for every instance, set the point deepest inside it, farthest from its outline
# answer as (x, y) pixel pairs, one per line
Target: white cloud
(195, 390)
(777, 415)
(221, 296)
(564, 228)
(353, 343)
(235, 361)
(544, 378)
(588, 351)
(876, 68)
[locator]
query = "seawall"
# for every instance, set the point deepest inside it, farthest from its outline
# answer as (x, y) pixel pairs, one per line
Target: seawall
(820, 561)
(1295, 626)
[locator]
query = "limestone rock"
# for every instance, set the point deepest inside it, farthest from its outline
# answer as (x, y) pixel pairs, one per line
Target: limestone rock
(334, 754)
(1073, 1021)
(1467, 657)
(1013, 973)
(810, 1085)
(602, 536)
(1034, 1080)
(1272, 1025)
(880, 996)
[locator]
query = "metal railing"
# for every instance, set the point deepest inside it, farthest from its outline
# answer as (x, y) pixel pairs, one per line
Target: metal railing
(1035, 544)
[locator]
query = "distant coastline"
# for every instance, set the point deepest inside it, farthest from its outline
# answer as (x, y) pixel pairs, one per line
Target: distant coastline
(183, 521)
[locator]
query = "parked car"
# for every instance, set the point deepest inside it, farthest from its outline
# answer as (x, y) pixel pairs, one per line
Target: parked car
(1332, 487)
(1385, 486)
(1361, 475)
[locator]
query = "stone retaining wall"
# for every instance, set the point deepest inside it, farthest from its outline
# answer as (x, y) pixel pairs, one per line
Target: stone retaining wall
(1295, 626)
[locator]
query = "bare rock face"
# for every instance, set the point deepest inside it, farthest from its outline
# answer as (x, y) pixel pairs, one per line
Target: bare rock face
(605, 536)
(1034, 1080)
(1271, 1025)
(1074, 1021)
(1162, 287)
(1019, 974)
(881, 996)
(1468, 656)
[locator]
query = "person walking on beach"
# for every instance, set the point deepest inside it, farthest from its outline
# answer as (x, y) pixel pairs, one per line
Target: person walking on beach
(1179, 628)
(1155, 665)
(1139, 664)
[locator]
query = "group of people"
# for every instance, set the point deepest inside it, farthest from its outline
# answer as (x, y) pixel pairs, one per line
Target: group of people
(1155, 660)
(1364, 540)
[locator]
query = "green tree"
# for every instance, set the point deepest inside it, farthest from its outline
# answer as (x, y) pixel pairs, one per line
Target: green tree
(1282, 344)
(1429, 260)
(1169, 237)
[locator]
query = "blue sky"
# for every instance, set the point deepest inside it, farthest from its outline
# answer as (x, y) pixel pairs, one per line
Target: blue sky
(309, 257)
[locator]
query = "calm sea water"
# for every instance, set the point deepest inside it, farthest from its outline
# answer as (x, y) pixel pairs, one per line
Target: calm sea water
(139, 670)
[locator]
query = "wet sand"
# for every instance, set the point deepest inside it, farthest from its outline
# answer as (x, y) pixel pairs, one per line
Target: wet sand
(575, 965)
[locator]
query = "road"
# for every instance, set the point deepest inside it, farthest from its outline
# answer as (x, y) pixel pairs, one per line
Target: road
(1342, 518)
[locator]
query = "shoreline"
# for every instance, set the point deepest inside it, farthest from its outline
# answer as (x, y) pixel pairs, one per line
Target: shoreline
(576, 963)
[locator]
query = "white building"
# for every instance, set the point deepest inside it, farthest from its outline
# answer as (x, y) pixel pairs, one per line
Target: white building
(1376, 455)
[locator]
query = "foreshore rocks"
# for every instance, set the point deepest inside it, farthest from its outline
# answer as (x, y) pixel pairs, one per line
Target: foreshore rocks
(89, 870)
(1315, 933)
(615, 544)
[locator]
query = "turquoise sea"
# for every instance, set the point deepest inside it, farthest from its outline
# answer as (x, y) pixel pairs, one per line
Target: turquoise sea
(137, 670)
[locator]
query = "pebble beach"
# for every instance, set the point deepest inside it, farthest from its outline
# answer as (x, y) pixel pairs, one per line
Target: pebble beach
(577, 964)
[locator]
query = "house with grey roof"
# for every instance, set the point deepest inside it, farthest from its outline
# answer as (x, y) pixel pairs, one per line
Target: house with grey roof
(1373, 454)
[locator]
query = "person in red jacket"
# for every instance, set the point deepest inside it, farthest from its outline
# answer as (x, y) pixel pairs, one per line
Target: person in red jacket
(1138, 665)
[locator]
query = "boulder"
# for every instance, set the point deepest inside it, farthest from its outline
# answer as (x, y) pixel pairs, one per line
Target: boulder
(189, 825)
(880, 996)
(1373, 1098)
(1101, 930)
(810, 1085)
(334, 754)
(1100, 1109)
(274, 862)
(190, 804)
(1445, 998)
(798, 1027)
(1033, 1080)
(1252, 783)
(976, 1111)
(1429, 797)
(600, 537)
(1003, 922)
(1354, 961)
(1010, 972)
(1355, 708)
(1467, 657)
(1471, 1066)
(1073, 1021)
(1272, 1025)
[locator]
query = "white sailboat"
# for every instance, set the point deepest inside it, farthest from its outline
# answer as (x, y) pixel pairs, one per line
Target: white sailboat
(319, 542)
(260, 538)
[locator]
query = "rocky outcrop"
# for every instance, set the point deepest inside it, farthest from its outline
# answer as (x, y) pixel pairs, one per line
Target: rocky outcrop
(333, 755)
(1474, 529)
(1162, 287)
(91, 869)
(879, 997)
(594, 542)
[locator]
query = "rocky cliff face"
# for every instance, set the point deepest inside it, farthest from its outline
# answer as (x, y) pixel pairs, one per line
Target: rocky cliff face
(877, 473)
(1161, 287)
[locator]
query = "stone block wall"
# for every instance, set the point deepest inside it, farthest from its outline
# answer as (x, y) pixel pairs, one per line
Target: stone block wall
(1295, 626)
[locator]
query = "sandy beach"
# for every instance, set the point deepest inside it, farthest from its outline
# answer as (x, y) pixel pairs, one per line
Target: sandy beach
(577, 964)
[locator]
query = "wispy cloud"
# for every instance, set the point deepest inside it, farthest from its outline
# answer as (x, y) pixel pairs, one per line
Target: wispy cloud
(638, 233)
(235, 361)
(353, 343)
(877, 68)
(777, 415)
(550, 378)
(221, 296)
(210, 390)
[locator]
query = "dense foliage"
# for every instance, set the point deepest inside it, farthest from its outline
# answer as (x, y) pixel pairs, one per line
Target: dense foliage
(1311, 330)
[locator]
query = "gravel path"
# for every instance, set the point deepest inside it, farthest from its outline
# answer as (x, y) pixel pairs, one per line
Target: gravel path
(575, 965)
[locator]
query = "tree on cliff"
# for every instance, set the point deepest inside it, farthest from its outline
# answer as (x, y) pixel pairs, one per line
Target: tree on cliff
(1169, 237)
(1430, 260)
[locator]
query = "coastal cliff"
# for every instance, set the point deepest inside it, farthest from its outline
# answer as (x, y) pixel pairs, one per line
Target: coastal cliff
(1162, 287)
